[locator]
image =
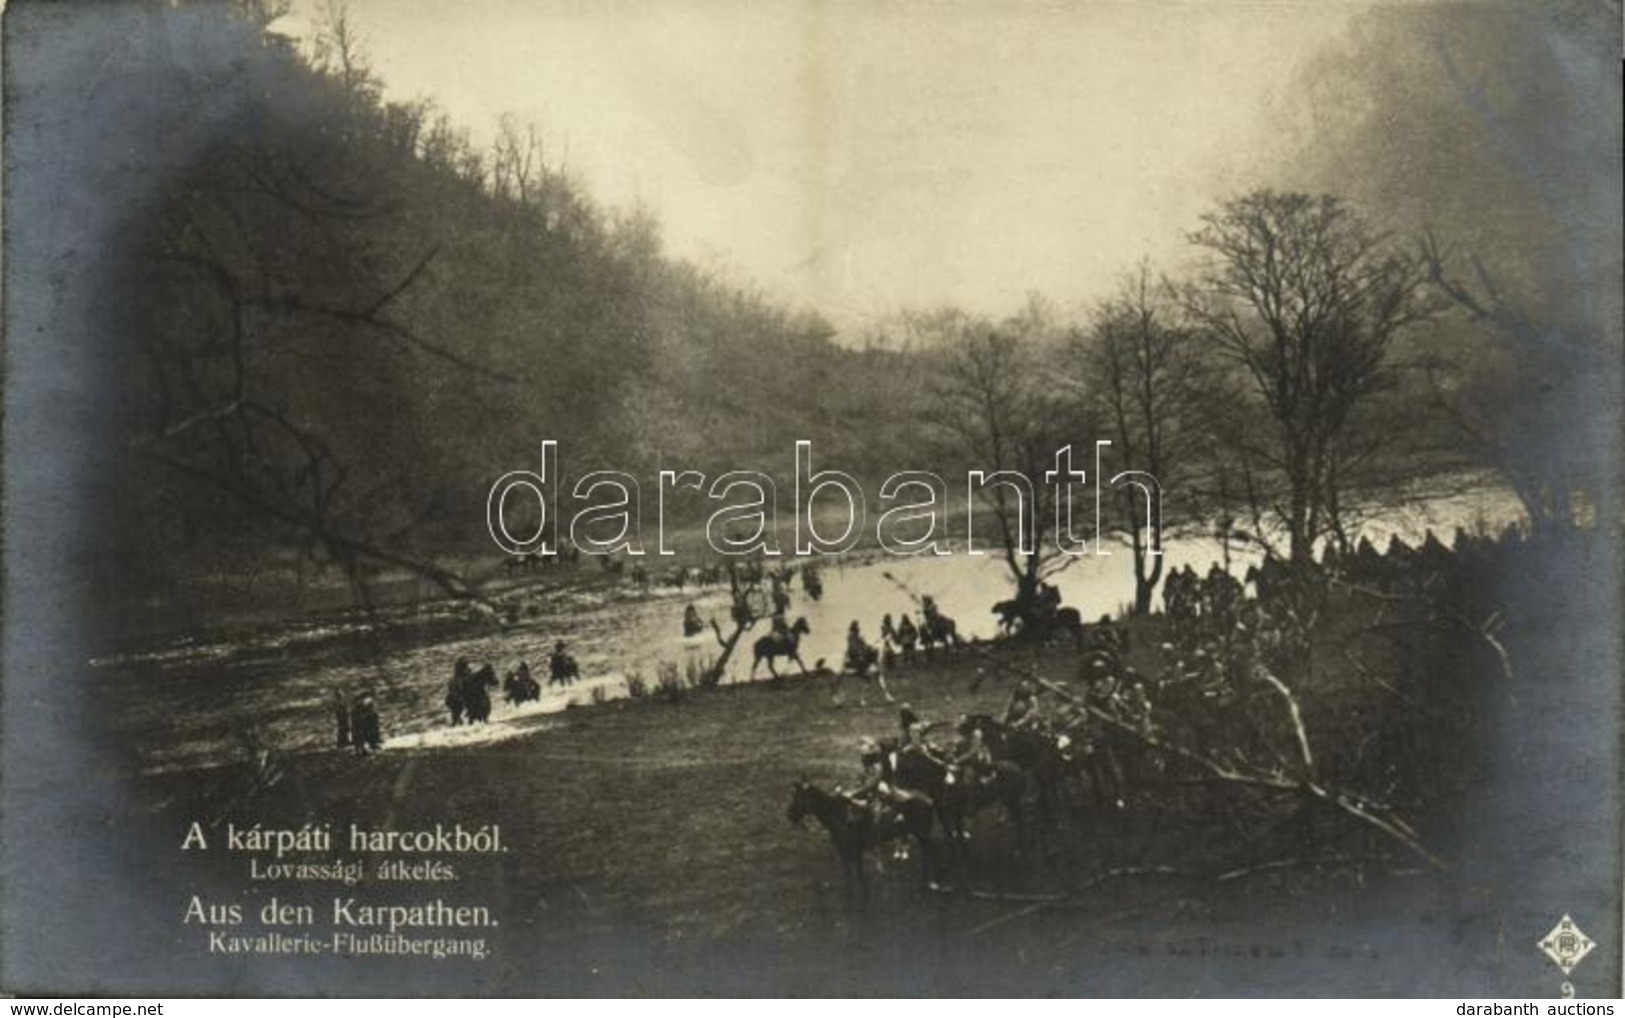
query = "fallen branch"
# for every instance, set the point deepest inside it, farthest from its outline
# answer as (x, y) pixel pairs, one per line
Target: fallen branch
(1350, 804)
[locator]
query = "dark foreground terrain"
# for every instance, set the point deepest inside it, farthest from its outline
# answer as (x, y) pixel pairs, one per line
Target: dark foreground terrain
(647, 847)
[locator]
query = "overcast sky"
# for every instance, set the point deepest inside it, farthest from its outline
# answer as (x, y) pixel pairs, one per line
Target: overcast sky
(858, 158)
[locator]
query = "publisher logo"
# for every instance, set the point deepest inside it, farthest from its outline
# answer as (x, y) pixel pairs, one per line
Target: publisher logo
(1566, 945)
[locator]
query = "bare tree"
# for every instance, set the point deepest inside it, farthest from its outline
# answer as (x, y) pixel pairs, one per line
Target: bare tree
(1485, 394)
(1138, 370)
(1307, 301)
(999, 412)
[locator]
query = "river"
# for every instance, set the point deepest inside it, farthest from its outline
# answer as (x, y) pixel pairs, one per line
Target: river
(183, 705)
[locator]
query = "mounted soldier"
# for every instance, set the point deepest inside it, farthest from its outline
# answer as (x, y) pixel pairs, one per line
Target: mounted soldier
(561, 667)
(692, 624)
(860, 656)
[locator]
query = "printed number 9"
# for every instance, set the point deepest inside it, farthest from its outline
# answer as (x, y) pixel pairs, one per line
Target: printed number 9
(1567, 990)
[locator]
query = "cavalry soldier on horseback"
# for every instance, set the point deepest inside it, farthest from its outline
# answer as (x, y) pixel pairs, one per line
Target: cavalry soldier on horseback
(520, 686)
(561, 667)
(1102, 689)
(1134, 705)
(692, 626)
(1021, 711)
(454, 689)
(811, 583)
(1093, 738)
(873, 792)
(780, 625)
(970, 756)
(860, 656)
(907, 636)
(365, 731)
(341, 715)
(878, 793)
(910, 734)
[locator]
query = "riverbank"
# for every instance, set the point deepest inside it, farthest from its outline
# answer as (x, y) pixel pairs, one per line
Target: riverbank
(649, 851)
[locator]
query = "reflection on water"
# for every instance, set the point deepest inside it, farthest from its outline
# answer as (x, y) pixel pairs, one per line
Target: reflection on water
(181, 706)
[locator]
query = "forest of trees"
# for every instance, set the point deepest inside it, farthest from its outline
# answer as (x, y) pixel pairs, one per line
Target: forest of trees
(346, 319)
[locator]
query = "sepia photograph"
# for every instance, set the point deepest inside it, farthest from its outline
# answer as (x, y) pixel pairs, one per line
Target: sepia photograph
(812, 498)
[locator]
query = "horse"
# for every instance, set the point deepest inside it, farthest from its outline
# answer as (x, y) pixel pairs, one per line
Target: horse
(1038, 754)
(469, 696)
(907, 638)
(861, 661)
(1092, 754)
(1009, 613)
(519, 687)
(853, 829)
(958, 797)
(562, 669)
(777, 645)
(936, 629)
(1068, 620)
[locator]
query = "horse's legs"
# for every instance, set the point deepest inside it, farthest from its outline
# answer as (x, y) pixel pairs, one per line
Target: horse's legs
(953, 830)
(852, 865)
(880, 680)
(1115, 773)
(928, 862)
(1018, 815)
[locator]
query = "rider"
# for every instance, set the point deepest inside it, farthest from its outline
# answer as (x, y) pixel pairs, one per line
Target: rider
(691, 621)
(911, 731)
(907, 634)
(454, 689)
(1021, 711)
(1049, 600)
(970, 754)
(341, 715)
(364, 727)
(1102, 689)
(859, 655)
(781, 627)
(811, 582)
(561, 667)
(873, 791)
(1135, 704)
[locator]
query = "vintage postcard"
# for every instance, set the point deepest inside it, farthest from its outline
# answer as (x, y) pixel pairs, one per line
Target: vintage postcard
(812, 498)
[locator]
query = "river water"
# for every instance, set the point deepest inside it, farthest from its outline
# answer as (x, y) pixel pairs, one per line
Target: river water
(188, 703)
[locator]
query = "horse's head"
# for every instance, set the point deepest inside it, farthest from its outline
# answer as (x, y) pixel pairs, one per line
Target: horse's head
(801, 628)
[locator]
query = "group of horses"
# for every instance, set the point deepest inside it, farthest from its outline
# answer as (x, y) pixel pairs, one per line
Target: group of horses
(897, 641)
(931, 793)
(677, 577)
(468, 694)
(565, 554)
(1040, 615)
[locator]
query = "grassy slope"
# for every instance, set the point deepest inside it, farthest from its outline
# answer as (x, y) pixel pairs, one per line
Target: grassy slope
(650, 852)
